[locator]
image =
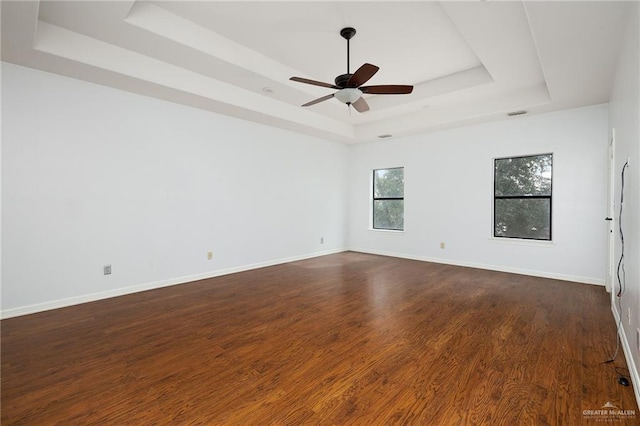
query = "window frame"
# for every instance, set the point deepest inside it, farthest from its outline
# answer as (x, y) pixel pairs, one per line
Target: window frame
(523, 197)
(374, 199)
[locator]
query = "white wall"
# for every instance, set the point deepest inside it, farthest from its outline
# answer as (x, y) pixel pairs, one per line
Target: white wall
(448, 194)
(94, 176)
(624, 116)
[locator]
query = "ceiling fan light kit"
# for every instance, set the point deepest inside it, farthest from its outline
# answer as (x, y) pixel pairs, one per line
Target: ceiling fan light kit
(349, 85)
(348, 95)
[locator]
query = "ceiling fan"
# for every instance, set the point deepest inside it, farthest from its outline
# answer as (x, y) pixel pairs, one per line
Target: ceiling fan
(350, 86)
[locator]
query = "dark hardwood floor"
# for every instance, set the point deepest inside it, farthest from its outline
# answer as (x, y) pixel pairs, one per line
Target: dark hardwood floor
(337, 340)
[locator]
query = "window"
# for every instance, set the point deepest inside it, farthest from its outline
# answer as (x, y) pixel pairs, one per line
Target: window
(388, 199)
(522, 197)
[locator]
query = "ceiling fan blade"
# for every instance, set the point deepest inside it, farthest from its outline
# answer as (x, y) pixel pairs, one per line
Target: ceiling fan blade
(317, 101)
(361, 105)
(314, 82)
(387, 89)
(362, 75)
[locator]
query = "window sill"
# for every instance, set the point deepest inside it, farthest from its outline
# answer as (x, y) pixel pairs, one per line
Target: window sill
(387, 231)
(522, 242)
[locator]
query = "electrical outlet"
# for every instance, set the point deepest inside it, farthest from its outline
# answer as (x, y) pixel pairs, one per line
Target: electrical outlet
(106, 269)
(442, 245)
(209, 255)
(629, 315)
(321, 240)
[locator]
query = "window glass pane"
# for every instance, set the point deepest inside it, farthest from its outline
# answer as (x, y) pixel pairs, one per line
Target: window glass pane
(388, 183)
(523, 175)
(523, 218)
(388, 214)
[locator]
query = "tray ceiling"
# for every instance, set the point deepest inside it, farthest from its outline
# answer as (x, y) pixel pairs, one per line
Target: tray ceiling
(469, 61)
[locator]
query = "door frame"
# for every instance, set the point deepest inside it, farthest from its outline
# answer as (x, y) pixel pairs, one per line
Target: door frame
(610, 212)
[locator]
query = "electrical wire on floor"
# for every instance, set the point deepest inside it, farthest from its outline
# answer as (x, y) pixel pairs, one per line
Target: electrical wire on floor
(620, 273)
(624, 378)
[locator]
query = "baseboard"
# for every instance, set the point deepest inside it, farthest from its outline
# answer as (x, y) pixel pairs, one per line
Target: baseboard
(62, 303)
(626, 348)
(534, 273)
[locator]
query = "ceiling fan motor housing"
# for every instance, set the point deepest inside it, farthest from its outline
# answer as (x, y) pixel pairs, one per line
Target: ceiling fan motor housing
(341, 80)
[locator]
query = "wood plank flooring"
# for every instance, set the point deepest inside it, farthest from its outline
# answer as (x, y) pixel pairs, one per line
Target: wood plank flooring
(345, 339)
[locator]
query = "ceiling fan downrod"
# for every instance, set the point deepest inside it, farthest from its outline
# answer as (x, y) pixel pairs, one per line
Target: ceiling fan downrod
(348, 33)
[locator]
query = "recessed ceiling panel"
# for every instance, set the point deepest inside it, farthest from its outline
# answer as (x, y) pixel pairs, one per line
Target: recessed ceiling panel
(411, 42)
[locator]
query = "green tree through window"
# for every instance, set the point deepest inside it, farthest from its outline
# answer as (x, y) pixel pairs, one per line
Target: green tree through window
(522, 197)
(388, 199)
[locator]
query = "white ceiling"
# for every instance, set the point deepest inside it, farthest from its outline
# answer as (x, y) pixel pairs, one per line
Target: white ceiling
(469, 61)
